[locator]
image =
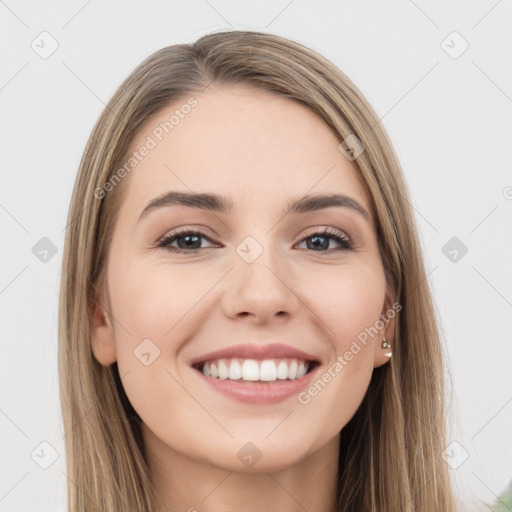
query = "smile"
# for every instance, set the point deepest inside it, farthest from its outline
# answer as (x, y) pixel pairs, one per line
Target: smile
(266, 370)
(251, 381)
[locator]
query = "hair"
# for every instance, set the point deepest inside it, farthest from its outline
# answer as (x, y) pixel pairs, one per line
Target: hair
(391, 450)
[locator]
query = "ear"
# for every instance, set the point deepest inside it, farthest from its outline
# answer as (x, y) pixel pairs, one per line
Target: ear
(388, 316)
(103, 343)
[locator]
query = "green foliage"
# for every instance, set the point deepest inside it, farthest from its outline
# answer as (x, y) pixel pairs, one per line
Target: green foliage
(504, 502)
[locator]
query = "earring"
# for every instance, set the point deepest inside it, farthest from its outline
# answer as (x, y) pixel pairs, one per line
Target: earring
(385, 344)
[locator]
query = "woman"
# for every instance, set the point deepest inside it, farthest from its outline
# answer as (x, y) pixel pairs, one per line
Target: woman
(245, 321)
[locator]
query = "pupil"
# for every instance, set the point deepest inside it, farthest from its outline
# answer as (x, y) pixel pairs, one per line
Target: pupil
(315, 239)
(188, 237)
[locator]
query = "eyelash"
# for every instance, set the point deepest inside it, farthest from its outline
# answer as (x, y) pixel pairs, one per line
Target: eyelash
(338, 236)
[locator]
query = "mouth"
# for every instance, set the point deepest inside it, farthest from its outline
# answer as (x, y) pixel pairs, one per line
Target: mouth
(256, 373)
(256, 381)
(256, 370)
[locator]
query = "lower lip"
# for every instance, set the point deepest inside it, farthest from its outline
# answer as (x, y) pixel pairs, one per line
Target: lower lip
(258, 392)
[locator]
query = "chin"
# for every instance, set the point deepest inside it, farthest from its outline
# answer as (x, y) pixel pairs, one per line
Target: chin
(256, 457)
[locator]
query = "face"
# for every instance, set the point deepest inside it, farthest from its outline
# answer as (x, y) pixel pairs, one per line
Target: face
(186, 281)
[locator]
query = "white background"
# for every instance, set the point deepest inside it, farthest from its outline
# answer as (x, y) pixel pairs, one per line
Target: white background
(449, 118)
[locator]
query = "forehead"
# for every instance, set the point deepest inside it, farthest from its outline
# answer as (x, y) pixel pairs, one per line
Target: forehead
(241, 142)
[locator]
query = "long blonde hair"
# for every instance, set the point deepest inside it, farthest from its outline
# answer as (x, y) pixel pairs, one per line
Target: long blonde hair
(391, 450)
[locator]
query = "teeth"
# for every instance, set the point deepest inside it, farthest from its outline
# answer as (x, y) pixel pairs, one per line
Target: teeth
(267, 370)
(250, 370)
(292, 370)
(223, 370)
(282, 370)
(235, 371)
(301, 371)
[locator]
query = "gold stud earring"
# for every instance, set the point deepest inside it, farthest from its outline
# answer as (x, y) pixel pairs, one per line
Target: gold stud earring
(385, 344)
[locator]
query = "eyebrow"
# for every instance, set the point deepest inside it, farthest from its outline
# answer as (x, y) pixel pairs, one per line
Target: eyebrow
(221, 204)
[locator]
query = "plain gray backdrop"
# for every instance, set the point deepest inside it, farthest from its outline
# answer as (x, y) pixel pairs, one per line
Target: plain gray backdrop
(439, 76)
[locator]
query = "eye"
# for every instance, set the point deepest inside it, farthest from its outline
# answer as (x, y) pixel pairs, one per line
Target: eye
(187, 241)
(320, 240)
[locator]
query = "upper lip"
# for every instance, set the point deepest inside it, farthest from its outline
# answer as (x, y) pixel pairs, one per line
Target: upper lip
(251, 351)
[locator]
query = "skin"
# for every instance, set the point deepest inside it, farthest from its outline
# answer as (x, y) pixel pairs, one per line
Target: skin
(261, 151)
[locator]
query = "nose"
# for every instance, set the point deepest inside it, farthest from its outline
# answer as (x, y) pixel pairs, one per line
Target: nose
(261, 290)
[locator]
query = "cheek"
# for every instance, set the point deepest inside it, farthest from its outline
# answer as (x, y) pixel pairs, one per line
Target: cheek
(152, 301)
(347, 301)
(151, 313)
(156, 307)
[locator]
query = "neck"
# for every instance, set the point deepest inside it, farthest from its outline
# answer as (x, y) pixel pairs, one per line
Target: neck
(191, 485)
